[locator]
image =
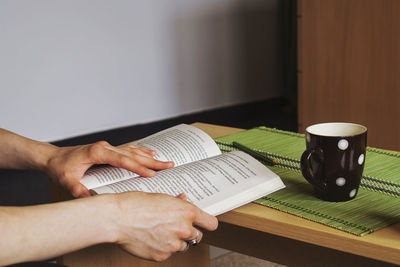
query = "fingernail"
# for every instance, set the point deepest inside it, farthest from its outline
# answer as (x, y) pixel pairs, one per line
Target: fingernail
(183, 196)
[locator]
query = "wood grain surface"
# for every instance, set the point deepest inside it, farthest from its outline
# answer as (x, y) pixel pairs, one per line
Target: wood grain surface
(349, 66)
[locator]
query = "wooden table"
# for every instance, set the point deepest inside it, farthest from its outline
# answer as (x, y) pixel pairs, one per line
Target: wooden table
(268, 234)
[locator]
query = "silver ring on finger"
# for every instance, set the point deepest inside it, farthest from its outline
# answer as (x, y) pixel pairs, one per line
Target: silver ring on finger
(194, 241)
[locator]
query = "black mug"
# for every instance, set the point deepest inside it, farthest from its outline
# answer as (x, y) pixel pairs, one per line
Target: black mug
(334, 160)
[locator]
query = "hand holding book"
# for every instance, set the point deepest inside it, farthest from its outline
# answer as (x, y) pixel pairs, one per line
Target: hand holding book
(152, 226)
(67, 165)
(213, 181)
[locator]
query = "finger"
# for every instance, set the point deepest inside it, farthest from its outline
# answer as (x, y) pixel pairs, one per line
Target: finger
(196, 240)
(153, 163)
(104, 153)
(147, 151)
(113, 156)
(205, 220)
(200, 236)
(184, 247)
(138, 150)
(118, 150)
(190, 235)
(182, 196)
(145, 161)
(142, 153)
(79, 190)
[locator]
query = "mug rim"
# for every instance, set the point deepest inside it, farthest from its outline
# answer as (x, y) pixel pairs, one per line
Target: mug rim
(311, 129)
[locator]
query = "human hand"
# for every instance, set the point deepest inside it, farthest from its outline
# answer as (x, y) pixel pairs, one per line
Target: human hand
(67, 165)
(153, 226)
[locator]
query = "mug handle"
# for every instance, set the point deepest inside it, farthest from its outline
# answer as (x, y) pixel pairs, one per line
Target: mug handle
(306, 169)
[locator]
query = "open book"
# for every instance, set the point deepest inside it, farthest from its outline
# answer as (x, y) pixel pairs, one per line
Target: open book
(213, 181)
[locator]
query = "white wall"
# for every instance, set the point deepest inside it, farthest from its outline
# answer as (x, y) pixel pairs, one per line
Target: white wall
(71, 67)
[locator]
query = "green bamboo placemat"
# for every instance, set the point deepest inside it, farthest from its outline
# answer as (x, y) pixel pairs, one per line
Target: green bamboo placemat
(376, 206)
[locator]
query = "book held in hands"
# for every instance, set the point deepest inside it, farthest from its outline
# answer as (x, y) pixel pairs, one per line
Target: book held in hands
(213, 181)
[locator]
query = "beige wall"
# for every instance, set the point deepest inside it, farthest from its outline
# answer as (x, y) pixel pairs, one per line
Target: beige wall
(72, 67)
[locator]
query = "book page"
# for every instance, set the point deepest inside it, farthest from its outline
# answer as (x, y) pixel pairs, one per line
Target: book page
(105, 174)
(180, 144)
(216, 184)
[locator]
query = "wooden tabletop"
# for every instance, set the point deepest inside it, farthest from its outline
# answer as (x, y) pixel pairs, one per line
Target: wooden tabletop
(383, 245)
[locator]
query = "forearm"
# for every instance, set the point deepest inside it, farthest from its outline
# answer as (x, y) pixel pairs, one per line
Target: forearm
(18, 152)
(45, 231)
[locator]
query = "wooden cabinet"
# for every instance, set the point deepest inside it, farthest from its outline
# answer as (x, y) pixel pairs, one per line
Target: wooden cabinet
(349, 66)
